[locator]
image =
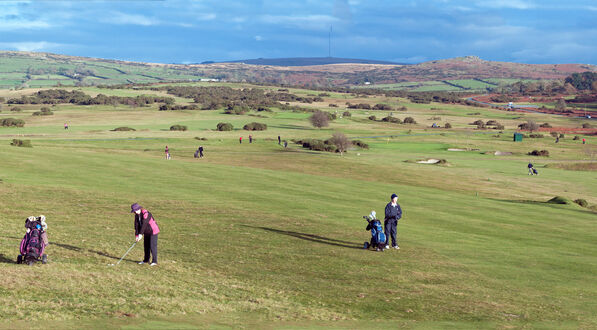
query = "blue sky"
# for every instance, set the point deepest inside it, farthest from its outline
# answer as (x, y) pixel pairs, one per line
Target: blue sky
(176, 31)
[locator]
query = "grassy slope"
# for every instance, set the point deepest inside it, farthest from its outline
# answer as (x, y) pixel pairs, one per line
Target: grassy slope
(277, 233)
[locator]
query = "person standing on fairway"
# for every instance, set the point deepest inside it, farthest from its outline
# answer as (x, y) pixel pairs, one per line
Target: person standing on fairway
(146, 228)
(530, 166)
(167, 151)
(279, 139)
(393, 214)
(240, 140)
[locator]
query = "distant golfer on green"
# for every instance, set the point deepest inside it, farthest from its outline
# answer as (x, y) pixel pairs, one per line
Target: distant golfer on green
(146, 228)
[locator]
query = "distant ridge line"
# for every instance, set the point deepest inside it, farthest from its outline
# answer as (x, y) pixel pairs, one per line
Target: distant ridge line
(307, 61)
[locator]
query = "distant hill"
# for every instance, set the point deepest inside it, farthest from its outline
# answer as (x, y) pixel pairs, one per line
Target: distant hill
(30, 69)
(308, 61)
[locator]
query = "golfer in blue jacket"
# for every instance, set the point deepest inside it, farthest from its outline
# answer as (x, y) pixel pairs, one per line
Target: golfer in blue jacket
(393, 214)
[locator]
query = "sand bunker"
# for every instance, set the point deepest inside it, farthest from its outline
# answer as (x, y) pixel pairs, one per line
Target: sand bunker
(502, 153)
(429, 161)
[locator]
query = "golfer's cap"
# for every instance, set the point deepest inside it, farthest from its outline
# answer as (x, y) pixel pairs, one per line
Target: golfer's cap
(135, 207)
(394, 195)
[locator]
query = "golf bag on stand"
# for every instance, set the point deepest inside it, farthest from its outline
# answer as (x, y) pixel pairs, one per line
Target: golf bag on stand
(378, 237)
(33, 243)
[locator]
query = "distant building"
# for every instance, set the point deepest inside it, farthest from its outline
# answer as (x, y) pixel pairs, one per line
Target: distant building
(209, 79)
(367, 83)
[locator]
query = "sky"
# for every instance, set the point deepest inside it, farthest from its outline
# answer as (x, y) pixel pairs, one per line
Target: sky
(193, 31)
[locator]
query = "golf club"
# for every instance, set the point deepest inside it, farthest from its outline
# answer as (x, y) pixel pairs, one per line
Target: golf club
(127, 252)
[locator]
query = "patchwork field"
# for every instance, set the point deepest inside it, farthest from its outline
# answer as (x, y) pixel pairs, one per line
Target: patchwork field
(261, 236)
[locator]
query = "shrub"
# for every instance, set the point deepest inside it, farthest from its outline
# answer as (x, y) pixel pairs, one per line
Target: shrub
(372, 118)
(44, 111)
(346, 114)
(562, 136)
(576, 137)
(200, 138)
(402, 108)
(332, 105)
(409, 120)
(12, 122)
(554, 134)
(224, 127)
(545, 125)
(255, 127)
(16, 109)
(542, 153)
(535, 136)
(21, 143)
(123, 129)
(586, 125)
(360, 144)
(319, 119)
(448, 125)
(381, 106)
(477, 122)
(178, 128)
(391, 119)
(491, 123)
(318, 145)
(559, 200)
(236, 110)
(474, 113)
(581, 202)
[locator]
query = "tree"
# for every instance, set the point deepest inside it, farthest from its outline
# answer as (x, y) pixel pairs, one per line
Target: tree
(319, 119)
(532, 126)
(341, 142)
(560, 105)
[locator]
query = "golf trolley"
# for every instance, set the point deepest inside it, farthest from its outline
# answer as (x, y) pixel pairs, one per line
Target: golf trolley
(378, 237)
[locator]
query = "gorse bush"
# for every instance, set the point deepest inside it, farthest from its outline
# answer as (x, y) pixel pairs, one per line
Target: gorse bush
(45, 111)
(391, 119)
(21, 143)
(448, 125)
(346, 114)
(581, 202)
(255, 127)
(360, 144)
(542, 153)
(372, 118)
(16, 109)
(12, 122)
(409, 120)
(123, 129)
(178, 128)
(224, 127)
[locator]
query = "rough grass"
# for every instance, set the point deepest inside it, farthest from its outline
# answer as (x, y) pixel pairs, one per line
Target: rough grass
(261, 236)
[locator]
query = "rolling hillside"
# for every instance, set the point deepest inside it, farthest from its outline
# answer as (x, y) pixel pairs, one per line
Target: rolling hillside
(27, 69)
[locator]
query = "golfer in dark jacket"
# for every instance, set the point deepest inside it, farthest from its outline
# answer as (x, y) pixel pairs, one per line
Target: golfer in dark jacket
(146, 228)
(393, 214)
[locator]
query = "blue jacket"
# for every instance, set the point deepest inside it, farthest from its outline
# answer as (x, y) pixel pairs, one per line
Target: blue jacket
(393, 213)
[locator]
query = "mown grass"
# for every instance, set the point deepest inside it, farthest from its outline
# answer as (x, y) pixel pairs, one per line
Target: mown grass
(261, 236)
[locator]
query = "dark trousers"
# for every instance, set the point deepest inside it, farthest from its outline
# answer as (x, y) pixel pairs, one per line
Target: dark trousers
(150, 243)
(390, 231)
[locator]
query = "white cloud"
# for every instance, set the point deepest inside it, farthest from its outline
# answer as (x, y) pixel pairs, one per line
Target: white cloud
(30, 46)
(258, 38)
(307, 22)
(501, 4)
(130, 19)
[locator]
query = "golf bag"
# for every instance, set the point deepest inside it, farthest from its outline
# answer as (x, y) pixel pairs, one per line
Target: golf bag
(378, 237)
(33, 243)
(535, 171)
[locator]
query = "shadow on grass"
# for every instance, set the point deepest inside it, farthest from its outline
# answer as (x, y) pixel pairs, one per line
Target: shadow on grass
(287, 126)
(311, 237)
(5, 260)
(569, 207)
(78, 249)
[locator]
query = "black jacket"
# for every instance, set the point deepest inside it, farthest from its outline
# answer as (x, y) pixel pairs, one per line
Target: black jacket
(142, 223)
(393, 213)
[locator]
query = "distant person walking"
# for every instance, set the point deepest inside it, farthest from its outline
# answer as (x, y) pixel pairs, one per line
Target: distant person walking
(584, 141)
(240, 140)
(200, 151)
(285, 144)
(167, 151)
(531, 169)
(279, 140)
(557, 139)
(65, 126)
(147, 229)
(393, 214)
(250, 138)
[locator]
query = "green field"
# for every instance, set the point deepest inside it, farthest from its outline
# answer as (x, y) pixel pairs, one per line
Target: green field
(259, 236)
